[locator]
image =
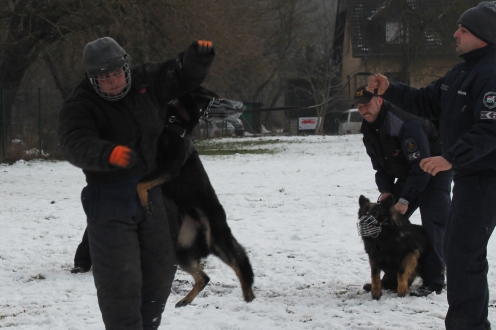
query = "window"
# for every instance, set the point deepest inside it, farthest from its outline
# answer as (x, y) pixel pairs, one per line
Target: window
(396, 32)
(393, 32)
(356, 117)
(343, 117)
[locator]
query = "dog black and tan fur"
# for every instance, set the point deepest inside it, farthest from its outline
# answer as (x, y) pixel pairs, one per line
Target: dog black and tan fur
(197, 219)
(399, 248)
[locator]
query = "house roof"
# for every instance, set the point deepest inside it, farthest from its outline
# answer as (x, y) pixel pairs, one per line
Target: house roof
(391, 27)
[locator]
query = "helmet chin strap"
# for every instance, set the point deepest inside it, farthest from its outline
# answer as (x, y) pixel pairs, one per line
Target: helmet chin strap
(96, 86)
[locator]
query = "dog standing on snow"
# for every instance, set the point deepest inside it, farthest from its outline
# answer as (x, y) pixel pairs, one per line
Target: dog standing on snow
(393, 244)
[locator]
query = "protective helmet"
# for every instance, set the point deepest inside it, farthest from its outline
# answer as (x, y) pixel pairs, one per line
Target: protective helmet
(104, 56)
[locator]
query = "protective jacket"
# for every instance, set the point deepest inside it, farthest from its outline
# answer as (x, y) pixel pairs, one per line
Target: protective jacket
(396, 143)
(464, 102)
(90, 127)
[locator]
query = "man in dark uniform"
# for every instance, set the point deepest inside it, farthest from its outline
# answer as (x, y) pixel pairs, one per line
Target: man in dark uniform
(109, 127)
(396, 142)
(464, 102)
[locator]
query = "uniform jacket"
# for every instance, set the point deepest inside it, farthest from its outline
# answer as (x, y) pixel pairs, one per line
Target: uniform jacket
(396, 143)
(464, 102)
(90, 127)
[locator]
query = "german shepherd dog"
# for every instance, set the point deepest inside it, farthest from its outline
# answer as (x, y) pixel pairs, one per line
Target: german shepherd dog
(197, 219)
(392, 243)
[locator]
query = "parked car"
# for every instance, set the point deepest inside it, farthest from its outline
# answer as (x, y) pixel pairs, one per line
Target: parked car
(350, 122)
(216, 128)
(239, 129)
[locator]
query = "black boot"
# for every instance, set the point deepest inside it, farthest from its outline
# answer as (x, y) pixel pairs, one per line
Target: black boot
(80, 269)
(426, 290)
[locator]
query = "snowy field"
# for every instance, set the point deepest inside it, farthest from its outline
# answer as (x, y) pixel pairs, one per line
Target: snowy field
(294, 211)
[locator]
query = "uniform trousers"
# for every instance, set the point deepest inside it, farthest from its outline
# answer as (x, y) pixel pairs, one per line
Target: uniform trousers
(132, 253)
(471, 222)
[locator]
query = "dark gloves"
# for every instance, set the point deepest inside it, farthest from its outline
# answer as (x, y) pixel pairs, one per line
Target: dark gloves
(202, 47)
(123, 157)
(194, 63)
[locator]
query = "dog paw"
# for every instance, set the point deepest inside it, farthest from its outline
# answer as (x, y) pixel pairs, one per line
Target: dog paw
(402, 289)
(182, 303)
(377, 296)
(249, 296)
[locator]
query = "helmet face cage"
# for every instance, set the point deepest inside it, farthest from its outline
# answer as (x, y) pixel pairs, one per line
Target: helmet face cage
(96, 82)
(368, 226)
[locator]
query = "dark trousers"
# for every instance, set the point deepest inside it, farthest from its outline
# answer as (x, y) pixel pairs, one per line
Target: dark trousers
(132, 253)
(83, 257)
(470, 224)
(434, 204)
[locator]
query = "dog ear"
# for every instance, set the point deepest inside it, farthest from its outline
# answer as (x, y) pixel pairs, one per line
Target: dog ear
(388, 202)
(363, 201)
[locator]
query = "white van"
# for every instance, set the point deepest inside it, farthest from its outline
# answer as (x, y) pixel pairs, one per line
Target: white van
(350, 122)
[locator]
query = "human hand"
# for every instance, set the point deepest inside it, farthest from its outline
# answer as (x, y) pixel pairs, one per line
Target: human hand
(401, 208)
(434, 165)
(202, 47)
(379, 82)
(123, 156)
(384, 195)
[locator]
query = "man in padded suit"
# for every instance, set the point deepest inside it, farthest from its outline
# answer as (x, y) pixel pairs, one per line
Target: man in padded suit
(109, 127)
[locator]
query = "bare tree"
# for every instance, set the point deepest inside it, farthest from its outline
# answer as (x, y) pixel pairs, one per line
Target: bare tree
(255, 40)
(29, 26)
(319, 68)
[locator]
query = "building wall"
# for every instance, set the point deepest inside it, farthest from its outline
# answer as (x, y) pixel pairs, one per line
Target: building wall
(350, 64)
(420, 75)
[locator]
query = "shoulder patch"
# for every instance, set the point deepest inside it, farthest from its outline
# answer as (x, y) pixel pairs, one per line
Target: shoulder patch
(410, 145)
(413, 156)
(489, 100)
(488, 115)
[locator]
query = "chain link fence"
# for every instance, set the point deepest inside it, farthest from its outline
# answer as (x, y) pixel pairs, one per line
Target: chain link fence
(28, 124)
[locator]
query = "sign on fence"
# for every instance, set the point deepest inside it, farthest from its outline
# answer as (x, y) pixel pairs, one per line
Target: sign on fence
(307, 122)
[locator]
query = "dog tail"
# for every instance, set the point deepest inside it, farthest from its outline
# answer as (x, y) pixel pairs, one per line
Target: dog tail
(243, 263)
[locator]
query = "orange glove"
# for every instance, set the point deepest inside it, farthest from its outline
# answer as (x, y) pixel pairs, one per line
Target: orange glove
(202, 47)
(123, 157)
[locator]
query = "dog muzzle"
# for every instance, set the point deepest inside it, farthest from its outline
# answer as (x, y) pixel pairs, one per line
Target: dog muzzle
(368, 226)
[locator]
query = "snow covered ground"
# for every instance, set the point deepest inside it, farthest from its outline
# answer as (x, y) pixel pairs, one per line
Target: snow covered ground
(294, 211)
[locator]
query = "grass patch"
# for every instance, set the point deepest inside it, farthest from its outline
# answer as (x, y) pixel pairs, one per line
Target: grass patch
(38, 277)
(228, 152)
(218, 148)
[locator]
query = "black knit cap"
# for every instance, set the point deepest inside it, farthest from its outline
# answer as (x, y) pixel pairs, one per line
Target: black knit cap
(481, 21)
